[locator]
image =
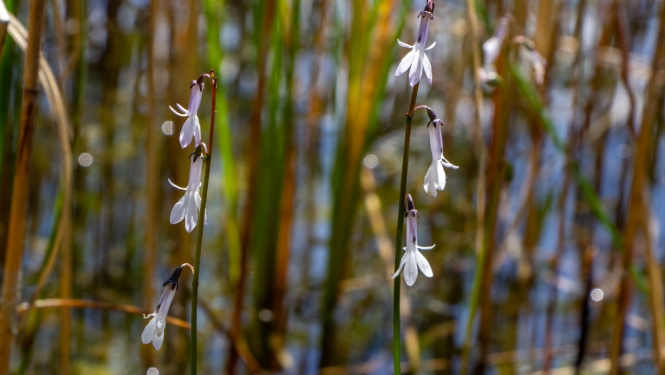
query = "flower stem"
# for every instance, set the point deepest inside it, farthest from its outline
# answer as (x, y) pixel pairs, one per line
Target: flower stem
(397, 350)
(199, 229)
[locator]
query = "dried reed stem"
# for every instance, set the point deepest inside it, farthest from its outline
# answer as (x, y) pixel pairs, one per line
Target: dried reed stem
(252, 185)
(637, 206)
(88, 304)
(18, 210)
(481, 152)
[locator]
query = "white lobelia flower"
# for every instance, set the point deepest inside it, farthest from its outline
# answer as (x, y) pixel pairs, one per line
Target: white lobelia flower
(154, 331)
(492, 47)
(435, 179)
(189, 205)
(192, 127)
(416, 59)
(413, 259)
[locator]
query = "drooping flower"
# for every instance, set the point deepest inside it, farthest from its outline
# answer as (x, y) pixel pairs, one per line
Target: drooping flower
(192, 127)
(412, 260)
(435, 179)
(537, 61)
(189, 205)
(416, 60)
(492, 47)
(154, 331)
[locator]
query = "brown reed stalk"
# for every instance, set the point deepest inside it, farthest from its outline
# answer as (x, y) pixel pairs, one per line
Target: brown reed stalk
(637, 205)
(495, 181)
(55, 98)
(655, 276)
(482, 165)
(21, 184)
(89, 304)
(286, 211)
(367, 72)
(255, 124)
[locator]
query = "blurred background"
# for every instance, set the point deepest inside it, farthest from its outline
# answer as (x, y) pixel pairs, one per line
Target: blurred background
(548, 240)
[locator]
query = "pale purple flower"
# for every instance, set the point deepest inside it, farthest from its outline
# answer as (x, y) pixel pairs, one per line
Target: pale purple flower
(412, 260)
(492, 47)
(154, 331)
(435, 179)
(416, 60)
(192, 127)
(189, 205)
(537, 61)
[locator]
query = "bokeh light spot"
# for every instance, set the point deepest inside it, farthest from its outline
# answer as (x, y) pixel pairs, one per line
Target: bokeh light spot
(597, 294)
(265, 315)
(168, 128)
(85, 159)
(371, 161)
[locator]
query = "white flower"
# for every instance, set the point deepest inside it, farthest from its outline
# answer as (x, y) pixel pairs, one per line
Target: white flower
(189, 205)
(435, 179)
(416, 58)
(192, 127)
(154, 331)
(538, 63)
(492, 47)
(413, 259)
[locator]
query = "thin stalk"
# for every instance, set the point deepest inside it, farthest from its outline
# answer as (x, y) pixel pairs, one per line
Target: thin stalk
(636, 207)
(151, 184)
(19, 205)
(397, 348)
(199, 229)
(480, 149)
(50, 303)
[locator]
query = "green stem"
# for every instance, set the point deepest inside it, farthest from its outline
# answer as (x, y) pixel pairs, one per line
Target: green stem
(397, 349)
(199, 230)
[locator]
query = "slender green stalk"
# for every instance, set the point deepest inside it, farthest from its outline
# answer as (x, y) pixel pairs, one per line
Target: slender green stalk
(481, 188)
(397, 343)
(199, 229)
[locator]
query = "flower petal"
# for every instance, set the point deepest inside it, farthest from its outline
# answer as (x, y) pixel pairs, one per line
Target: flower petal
(426, 247)
(158, 340)
(423, 265)
(197, 130)
(448, 164)
(401, 264)
(148, 332)
(175, 186)
(178, 113)
(431, 46)
(182, 109)
(416, 68)
(431, 179)
(410, 268)
(187, 133)
(428, 68)
(405, 64)
(402, 44)
(178, 211)
(441, 183)
(191, 214)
